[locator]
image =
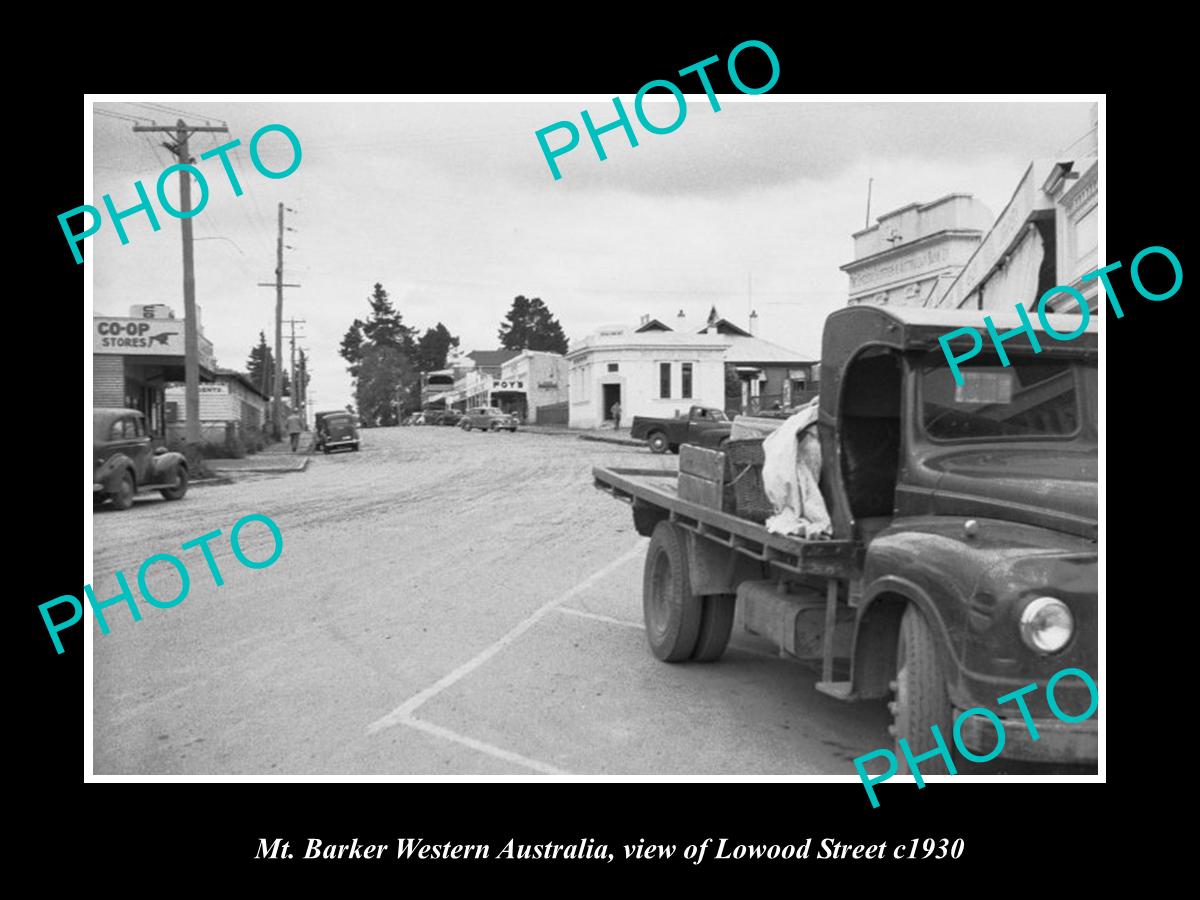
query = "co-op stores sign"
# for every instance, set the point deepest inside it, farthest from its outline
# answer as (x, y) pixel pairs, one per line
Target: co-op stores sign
(149, 336)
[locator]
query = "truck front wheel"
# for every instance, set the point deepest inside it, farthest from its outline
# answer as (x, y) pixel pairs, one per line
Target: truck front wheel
(658, 442)
(921, 699)
(672, 611)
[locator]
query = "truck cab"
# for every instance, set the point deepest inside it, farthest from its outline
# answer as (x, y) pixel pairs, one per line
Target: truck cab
(975, 506)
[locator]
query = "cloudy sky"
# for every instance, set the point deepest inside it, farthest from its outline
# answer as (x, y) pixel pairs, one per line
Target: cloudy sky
(451, 206)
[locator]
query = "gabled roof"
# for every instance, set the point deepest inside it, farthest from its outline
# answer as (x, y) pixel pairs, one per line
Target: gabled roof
(745, 349)
(653, 325)
(242, 377)
(724, 326)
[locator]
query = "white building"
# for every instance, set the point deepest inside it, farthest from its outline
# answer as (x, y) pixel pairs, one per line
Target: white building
(533, 385)
(650, 373)
(911, 255)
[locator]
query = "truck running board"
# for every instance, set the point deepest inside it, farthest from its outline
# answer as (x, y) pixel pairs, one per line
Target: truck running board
(840, 690)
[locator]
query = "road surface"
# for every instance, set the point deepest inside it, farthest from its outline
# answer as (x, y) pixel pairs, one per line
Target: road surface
(445, 603)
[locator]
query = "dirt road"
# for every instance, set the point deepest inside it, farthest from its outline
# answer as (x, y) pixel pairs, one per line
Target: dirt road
(445, 604)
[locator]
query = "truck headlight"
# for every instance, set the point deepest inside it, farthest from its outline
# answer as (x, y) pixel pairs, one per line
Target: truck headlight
(1046, 624)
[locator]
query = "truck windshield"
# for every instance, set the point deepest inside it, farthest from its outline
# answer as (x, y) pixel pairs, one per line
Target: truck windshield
(1031, 398)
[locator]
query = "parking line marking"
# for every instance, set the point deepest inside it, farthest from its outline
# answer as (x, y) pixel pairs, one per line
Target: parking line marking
(641, 627)
(599, 618)
(409, 706)
(481, 746)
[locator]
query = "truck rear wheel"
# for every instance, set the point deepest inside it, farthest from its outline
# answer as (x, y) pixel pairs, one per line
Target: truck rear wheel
(658, 442)
(921, 699)
(672, 612)
(716, 624)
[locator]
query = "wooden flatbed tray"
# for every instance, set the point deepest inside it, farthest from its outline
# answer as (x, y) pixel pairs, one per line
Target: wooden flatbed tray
(657, 488)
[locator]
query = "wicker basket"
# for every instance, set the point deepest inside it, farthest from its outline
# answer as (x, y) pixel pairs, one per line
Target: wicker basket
(745, 458)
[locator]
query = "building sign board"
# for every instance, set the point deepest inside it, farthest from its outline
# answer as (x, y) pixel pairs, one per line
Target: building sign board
(127, 336)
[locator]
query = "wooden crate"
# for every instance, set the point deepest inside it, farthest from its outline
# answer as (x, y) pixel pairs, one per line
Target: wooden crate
(703, 477)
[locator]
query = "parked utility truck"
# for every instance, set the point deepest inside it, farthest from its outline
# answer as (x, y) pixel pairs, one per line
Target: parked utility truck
(963, 559)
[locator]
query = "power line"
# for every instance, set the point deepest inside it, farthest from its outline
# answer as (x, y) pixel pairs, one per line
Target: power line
(162, 108)
(110, 114)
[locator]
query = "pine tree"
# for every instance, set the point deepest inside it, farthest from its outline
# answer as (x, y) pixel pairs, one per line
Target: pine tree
(433, 347)
(260, 367)
(531, 326)
(381, 352)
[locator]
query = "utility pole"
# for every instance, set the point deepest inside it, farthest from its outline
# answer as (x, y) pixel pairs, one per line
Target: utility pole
(277, 402)
(191, 333)
(295, 390)
(303, 368)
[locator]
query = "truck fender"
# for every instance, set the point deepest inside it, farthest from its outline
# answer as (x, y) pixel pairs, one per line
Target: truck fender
(877, 629)
(714, 569)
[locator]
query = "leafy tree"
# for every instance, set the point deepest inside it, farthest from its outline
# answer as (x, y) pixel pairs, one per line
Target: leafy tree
(530, 326)
(381, 373)
(433, 347)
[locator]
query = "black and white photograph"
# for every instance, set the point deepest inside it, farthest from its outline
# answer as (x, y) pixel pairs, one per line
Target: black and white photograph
(683, 436)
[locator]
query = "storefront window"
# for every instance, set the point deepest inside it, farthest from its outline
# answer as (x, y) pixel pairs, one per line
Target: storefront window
(664, 380)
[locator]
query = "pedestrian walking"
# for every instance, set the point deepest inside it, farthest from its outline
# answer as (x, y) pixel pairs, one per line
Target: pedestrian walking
(294, 428)
(616, 414)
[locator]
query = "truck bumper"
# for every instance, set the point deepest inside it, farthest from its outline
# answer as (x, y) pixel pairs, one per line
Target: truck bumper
(1057, 741)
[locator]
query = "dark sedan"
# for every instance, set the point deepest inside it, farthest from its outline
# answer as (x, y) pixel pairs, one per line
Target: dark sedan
(127, 463)
(488, 418)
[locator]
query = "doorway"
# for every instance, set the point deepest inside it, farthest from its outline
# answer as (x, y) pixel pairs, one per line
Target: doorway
(611, 395)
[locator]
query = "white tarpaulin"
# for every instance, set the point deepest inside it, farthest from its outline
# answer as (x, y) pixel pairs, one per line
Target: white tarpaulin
(791, 474)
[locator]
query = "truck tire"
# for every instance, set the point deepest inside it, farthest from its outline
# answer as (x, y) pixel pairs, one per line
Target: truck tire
(671, 610)
(716, 624)
(177, 490)
(122, 497)
(658, 442)
(646, 518)
(921, 699)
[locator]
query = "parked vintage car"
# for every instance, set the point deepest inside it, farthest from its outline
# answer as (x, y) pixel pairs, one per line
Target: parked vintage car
(440, 416)
(488, 418)
(127, 463)
(702, 425)
(336, 428)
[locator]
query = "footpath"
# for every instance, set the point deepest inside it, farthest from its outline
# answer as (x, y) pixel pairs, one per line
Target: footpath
(599, 435)
(273, 458)
(278, 458)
